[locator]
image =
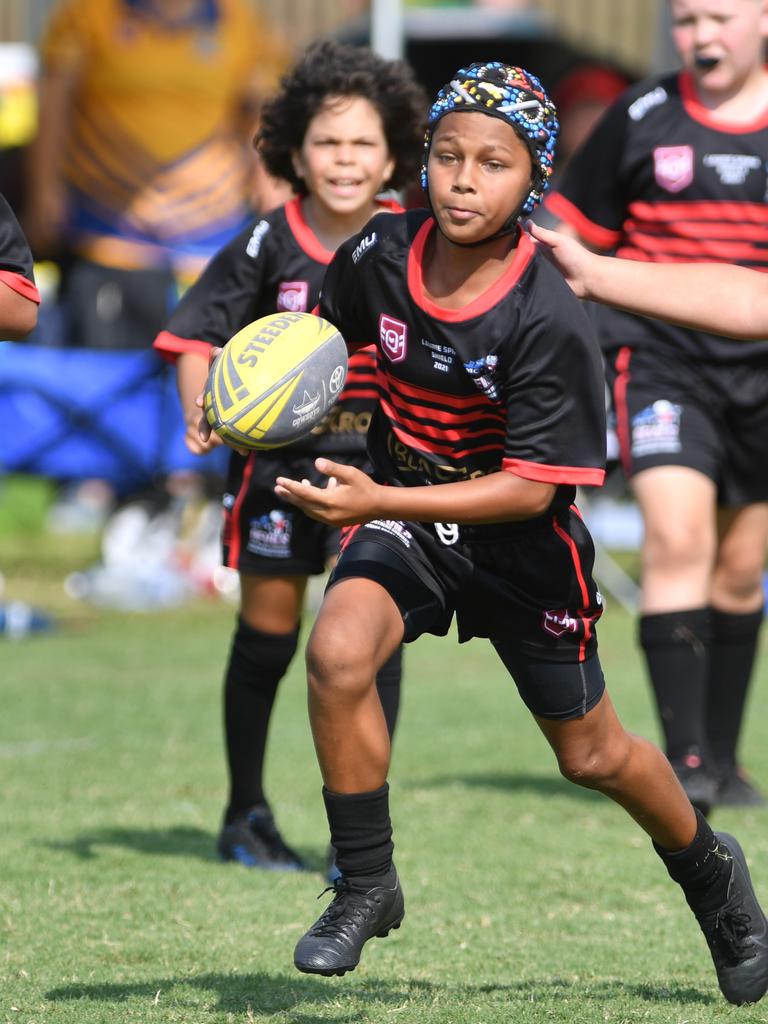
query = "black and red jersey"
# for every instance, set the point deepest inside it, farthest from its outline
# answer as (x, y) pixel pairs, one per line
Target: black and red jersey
(15, 258)
(512, 381)
(661, 180)
(276, 264)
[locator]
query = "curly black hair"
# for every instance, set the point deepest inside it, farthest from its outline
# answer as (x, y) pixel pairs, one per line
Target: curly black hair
(328, 69)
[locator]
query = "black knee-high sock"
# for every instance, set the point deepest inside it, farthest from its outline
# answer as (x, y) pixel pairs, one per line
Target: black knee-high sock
(734, 644)
(388, 686)
(361, 834)
(676, 647)
(257, 663)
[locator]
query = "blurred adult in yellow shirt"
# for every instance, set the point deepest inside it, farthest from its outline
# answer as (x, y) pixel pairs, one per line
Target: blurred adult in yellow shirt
(142, 166)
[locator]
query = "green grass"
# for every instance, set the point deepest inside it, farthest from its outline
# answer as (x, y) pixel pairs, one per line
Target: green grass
(528, 900)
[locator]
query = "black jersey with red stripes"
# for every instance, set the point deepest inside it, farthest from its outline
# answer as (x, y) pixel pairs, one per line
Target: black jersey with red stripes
(15, 258)
(513, 381)
(275, 264)
(661, 180)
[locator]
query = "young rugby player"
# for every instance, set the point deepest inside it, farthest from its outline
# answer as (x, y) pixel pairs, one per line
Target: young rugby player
(491, 414)
(19, 297)
(677, 171)
(344, 125)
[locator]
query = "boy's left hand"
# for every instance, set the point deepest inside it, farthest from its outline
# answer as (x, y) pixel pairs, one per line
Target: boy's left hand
(350, 496)
(569, 256)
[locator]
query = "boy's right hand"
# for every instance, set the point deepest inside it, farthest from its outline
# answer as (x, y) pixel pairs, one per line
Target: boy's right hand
(199, 437)
(569, 256)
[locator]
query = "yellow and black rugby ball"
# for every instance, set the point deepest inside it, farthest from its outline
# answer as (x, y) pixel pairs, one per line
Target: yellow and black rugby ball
(275, 380)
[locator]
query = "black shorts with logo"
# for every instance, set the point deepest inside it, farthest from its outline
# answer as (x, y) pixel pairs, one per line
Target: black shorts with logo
(527, 587)
(707, 416)
(266, 536)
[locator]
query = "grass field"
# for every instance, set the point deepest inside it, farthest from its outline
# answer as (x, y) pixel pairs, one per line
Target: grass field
(528, 900)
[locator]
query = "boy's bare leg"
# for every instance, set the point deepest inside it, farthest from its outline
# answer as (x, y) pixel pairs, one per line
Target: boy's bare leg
(597, 752)
(357, 630)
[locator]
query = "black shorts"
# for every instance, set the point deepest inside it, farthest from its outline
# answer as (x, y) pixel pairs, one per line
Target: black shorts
(265, 536)
(705, 416)
(527, 587)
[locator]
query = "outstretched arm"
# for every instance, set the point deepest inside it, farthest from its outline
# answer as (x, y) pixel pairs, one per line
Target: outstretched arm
(352, 497)
(716, 297)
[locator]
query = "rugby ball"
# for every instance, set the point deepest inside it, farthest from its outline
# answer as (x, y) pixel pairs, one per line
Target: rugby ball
(275, 380)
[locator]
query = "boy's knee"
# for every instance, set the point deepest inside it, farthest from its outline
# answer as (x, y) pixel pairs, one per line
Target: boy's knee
(595, 768)
(337, 664)
(676, 546)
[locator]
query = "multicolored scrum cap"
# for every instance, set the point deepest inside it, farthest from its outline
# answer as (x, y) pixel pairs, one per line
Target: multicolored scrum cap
(517, 97)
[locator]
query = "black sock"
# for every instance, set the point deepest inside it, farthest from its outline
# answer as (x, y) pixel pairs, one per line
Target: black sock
(698, 869)
(361, 834)
(388, 686)
(734, 643)
(676, 647)
(257, 663)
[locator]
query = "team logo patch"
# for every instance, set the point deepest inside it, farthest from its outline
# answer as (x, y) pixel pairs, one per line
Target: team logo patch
(393, 335)
(673, 167)
(483, 373)
(270, 534)
(293, 297)
(656, 429)
(559, 622)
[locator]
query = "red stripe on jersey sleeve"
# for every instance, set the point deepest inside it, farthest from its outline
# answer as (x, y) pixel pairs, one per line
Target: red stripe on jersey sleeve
(171, 346)
(577, 475)
(22, 285)
(595, 234)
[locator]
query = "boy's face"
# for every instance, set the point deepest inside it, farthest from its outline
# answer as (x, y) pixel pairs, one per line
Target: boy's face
(479, 173)
(721, 42)
(344, 159)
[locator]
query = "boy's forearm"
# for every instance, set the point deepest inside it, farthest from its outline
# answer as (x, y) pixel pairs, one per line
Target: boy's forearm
(497, 498)
(711, 297)
(191, 375)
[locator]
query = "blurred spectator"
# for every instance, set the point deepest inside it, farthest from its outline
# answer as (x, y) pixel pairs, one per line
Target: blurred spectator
(140, 171)
(142, 166)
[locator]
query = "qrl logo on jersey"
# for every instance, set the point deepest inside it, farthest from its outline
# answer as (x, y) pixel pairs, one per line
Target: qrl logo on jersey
(292, 297)
(559, 622)
(393, 335)
(673, 166)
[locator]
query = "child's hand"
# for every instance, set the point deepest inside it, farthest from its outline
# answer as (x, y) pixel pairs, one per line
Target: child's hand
(349, 497)
(199, 437)
(569, 256)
